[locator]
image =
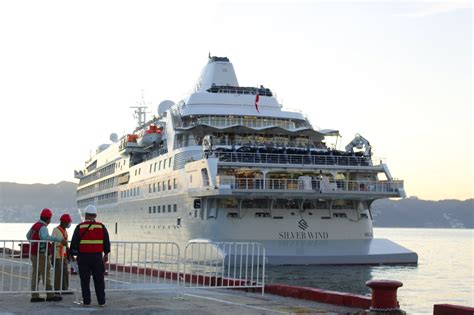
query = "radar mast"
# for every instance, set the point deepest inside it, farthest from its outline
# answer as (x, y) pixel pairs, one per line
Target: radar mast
(140, 110)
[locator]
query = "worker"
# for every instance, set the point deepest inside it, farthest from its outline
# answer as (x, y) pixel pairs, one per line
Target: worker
(39, 255)
(89, 241)
(61, 256)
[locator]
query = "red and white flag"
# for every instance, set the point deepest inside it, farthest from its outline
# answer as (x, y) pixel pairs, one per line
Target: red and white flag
(257, 98)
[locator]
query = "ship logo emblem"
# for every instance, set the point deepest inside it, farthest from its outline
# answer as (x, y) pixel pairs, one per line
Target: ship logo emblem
(302, 224)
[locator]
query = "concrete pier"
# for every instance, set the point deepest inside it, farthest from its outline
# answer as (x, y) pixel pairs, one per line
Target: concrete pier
(202, 301)
(165, 297)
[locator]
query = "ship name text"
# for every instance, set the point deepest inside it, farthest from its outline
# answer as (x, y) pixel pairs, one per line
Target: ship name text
(307, 235)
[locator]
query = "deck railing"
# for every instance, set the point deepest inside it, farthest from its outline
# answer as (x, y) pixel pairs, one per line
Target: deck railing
(296, 159)
(322, 186)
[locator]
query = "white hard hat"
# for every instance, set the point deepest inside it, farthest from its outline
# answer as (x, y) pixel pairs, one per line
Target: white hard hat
(91, 209)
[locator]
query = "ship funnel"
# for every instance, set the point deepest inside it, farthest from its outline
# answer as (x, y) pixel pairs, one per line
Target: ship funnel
(218, 71)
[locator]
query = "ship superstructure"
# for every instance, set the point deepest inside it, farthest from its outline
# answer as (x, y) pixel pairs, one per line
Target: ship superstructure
(229, 163)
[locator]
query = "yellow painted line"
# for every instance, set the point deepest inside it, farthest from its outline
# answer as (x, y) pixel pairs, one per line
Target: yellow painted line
(15, 276)
(236, 304)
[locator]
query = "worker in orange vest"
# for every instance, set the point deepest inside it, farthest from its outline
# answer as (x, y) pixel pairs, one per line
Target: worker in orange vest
(40, 259)
(89, 241)
(61, 256)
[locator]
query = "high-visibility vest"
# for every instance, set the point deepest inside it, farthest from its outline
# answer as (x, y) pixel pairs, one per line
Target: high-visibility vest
(92, 241)
(36, 237)
(60, 247)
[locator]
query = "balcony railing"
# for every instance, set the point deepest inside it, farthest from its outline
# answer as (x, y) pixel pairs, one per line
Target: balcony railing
(309, 185)
(297, 159)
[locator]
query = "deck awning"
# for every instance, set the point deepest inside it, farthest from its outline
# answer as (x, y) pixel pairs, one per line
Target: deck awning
(330, 132)
(207, 129)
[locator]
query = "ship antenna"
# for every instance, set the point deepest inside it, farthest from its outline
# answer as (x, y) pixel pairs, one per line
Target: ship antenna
(140, 110)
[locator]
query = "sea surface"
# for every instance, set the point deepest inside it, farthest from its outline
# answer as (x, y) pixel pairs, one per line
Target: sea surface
(444, 274)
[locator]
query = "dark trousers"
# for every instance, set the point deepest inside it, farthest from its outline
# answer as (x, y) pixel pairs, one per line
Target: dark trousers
(92, 264)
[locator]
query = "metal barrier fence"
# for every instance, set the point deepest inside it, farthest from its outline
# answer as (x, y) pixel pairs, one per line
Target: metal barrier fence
(20, 264)
(135, 266)
(224, 265)
(143, 266)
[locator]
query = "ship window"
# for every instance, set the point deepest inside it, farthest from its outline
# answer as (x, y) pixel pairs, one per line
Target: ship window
(158, 186)
(154, 168)
(164, 163)
(175, 208)
(154, 209)
(364, 216)
(169, 208)
(159, 209)
(138, 191)
(164, 187)
(340, 215)
(159, 166)
(197, 203)
(169, 163)
(149, 209)
(178, 221)
(163, 209)
(154, 187)
(175, 183)
(151, 165)
(169, 184)
(149, 188)
(232, 215)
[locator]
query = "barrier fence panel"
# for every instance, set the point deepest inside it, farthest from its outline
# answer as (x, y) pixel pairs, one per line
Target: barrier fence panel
(142, 266)
(223, 265)
(31, 267)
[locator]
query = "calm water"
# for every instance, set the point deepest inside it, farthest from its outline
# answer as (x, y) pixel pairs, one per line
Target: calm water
(444, 274)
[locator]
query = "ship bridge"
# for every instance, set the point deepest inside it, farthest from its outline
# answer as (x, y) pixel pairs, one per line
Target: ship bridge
(218, 92)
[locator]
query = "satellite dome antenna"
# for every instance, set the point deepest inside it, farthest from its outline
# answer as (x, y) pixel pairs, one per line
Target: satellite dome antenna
(113, 137)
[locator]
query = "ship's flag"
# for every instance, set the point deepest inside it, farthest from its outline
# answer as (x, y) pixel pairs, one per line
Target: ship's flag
(257, 98)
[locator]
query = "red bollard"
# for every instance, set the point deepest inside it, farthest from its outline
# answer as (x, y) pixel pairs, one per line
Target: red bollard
(384, 296)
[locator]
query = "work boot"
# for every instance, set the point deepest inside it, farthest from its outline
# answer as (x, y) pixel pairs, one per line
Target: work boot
(37, 299)
(54, 298)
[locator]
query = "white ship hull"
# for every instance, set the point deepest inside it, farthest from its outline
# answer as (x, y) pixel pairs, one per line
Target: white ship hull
(340, 241)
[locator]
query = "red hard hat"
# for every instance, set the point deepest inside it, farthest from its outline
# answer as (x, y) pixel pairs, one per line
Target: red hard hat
(46, 213)
(66, 218)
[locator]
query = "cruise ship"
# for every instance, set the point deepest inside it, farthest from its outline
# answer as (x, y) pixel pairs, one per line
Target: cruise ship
(230, 163)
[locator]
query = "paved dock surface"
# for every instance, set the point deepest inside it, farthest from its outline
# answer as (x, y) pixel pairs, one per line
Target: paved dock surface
(160, 297)
(203, 301)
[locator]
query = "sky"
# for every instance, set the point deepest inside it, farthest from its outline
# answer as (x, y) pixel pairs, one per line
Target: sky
(397, 72)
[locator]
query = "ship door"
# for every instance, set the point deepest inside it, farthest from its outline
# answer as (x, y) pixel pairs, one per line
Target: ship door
(205, 177)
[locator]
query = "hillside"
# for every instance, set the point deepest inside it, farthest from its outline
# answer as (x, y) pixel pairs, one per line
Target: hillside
(23, 202)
